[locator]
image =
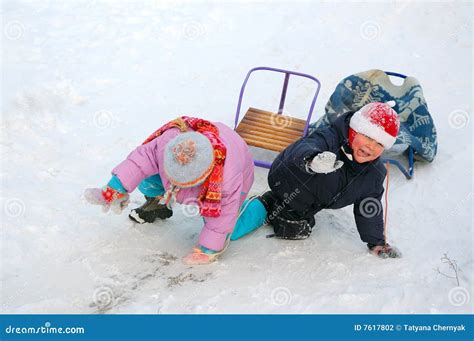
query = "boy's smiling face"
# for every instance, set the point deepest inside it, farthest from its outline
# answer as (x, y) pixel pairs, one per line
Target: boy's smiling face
(365, 149)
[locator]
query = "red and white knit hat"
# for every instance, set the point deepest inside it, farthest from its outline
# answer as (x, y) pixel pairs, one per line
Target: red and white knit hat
(377, 121)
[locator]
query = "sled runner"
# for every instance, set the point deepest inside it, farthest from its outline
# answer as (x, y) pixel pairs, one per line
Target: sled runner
(408, 172)
(273, 131)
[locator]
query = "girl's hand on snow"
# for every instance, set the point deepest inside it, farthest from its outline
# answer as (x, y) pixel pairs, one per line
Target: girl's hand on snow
(385, 251)
(325, 163)
(108, 198)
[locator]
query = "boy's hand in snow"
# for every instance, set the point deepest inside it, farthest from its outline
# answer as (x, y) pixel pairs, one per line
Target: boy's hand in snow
(385, 251)
(324, 162)
(108, 198)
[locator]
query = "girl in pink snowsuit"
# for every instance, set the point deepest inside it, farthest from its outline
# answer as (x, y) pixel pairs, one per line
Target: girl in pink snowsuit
(189, 161)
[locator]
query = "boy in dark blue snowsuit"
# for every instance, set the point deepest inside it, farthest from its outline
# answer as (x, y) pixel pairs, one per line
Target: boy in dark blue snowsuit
(331, 168)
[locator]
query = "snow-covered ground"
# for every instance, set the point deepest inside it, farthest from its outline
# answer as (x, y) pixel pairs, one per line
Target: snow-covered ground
(84, 82)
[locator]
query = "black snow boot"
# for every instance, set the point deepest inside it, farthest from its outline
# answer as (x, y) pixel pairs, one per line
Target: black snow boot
(149, 211)
(287, 223)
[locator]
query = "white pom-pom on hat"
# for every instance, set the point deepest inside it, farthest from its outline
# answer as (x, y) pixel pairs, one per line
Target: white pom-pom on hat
(377, 121)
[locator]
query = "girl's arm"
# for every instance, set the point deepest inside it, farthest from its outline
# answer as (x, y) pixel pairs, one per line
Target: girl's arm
(139, 164)
(143, 162)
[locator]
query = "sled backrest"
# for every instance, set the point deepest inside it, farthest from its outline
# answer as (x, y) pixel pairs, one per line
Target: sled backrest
(269, 130)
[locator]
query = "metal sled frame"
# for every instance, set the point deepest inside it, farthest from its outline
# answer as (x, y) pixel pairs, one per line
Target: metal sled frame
(408, 172)
(257, 127)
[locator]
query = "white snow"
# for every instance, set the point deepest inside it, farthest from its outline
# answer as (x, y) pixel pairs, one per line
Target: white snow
(85, 82)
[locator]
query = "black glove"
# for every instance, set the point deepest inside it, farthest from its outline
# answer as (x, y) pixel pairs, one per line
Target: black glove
(384, 251)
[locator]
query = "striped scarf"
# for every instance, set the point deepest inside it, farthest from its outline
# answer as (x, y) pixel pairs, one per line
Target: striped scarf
(210, 196)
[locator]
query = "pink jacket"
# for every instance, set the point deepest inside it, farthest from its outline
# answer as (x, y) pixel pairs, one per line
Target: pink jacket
(147, 160)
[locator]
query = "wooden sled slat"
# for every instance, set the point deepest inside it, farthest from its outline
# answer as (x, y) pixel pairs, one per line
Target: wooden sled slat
(270, 131)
